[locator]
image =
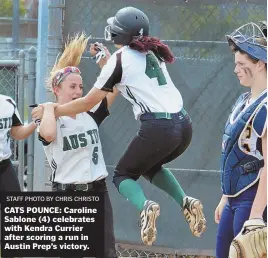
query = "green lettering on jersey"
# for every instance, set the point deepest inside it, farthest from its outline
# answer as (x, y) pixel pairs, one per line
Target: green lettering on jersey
(95, 156)
(153, 70)
(96, 135)
(66, 144)
(90, 132)
(82, 139)
(74, 141)
(5, 123)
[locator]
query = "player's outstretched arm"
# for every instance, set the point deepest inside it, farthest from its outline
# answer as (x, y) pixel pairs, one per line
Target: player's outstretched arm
(111, 96)
(101, 54)
(105, 83)
(48, 128)
(83, 104)
(260, 200)
(21, 132)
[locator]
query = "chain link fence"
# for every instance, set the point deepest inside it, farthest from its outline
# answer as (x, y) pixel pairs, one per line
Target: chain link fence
(203, 72)
(128, 250)
(17, 80)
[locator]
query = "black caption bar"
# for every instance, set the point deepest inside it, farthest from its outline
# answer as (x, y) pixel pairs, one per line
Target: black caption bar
(38, 224)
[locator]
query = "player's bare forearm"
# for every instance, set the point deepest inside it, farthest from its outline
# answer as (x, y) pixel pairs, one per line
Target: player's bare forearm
(102, 63)
(83, 104)
(260, 200)
(72, 108)
(22, 131)
(111, 96)
(48, 124)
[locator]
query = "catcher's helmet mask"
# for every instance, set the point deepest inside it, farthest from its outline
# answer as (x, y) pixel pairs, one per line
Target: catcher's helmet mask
(246, 39)
(128, 23)
(263, 26)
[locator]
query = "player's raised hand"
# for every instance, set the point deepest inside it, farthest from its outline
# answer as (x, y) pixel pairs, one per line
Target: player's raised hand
(100, 53)
(49, 105)
(38, 112)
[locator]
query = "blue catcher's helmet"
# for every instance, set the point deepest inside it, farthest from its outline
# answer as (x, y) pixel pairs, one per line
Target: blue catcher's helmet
(247, 38)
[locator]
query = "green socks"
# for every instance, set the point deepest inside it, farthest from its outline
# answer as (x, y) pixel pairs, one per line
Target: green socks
(132, 191)
(167, 182)
(164, 180)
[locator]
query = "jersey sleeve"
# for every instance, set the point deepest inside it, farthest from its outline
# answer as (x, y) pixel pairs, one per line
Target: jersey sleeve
(100, 113)
(41, 139)
(16, 120)
(111, 73)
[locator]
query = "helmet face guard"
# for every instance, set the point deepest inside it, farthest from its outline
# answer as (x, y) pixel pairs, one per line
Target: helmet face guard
(108, 29)
(247, 38)
(107, 33)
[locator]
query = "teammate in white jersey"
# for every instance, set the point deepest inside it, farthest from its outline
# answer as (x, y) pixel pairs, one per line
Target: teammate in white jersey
(138, 70)
(10, 126)
(72, 143)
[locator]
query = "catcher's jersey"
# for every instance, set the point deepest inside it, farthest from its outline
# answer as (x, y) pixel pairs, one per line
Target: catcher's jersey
(9, 116)
(75, 156)
(142, 79)
(242, 153)
(250, 139)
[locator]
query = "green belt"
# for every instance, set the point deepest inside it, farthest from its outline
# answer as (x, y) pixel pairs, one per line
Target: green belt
(159, 115)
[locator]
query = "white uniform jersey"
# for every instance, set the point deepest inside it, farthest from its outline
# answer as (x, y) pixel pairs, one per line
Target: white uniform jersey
(142, 79)
(9, 116)
(75, 156)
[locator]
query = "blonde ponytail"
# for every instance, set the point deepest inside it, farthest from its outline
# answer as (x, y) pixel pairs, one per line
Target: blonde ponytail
(71, 56)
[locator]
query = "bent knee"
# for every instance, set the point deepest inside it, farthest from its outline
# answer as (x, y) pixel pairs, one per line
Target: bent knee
(118, 178)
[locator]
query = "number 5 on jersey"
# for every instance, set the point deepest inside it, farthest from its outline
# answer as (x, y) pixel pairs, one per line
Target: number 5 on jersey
(95, 156)
(153, 69)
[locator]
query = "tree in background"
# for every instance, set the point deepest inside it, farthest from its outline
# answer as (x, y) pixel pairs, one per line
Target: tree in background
(6, 8)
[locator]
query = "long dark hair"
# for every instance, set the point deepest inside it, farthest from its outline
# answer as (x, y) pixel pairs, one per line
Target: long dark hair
(154, 44)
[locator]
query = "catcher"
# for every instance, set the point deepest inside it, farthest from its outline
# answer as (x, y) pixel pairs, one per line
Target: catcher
(240, 213)
(252, 239)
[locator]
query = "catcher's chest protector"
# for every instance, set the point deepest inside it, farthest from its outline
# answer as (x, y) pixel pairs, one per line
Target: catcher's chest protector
(241, 146)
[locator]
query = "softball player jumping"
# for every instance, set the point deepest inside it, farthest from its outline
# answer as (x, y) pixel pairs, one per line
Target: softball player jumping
(10, 126)
(244, 155)
(72, 144)
(137, 69)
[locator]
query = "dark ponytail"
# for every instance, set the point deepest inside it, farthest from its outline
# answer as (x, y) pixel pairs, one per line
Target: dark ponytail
(154, 44)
